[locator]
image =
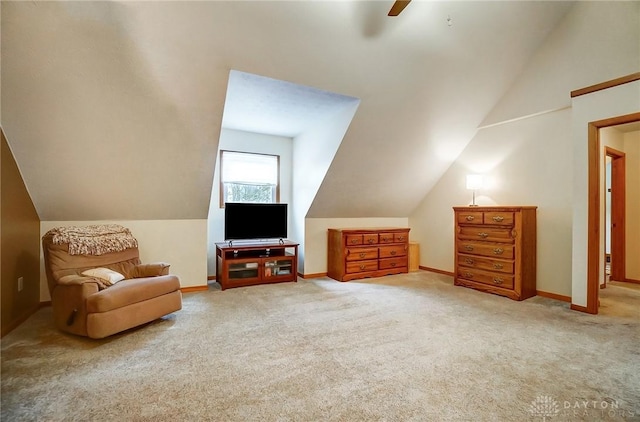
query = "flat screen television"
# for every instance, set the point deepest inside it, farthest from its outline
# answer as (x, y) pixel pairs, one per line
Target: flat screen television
(245, 221)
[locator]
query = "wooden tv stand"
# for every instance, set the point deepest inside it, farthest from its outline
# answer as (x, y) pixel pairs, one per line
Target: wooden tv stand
(249, 263)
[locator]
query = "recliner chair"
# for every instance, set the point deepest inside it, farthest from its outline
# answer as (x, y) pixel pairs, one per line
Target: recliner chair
(92, 306)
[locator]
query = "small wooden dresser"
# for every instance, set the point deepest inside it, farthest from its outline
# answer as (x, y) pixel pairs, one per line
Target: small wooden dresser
(495, 250)
(360, 253)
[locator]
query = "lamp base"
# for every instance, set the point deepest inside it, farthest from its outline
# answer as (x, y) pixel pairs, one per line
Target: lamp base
(473, 205)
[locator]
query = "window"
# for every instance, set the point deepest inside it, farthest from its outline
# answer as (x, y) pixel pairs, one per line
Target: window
(248, 177)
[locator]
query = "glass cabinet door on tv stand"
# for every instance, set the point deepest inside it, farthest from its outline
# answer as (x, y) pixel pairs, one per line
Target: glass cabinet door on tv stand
(256, 263)
(281, 267)
(244, 269)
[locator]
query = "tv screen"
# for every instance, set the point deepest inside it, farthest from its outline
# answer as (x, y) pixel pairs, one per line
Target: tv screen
(255, 221)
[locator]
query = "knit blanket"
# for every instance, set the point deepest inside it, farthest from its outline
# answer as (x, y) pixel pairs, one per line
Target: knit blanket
(94, 239)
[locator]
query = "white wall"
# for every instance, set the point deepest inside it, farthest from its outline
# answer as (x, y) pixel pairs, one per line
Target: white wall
(316, 236)
(611, 137)
(616, 101)
(236, 140)
(597, 41)
(181, 243)
(313, 152)
(527, 163)
(632, 238)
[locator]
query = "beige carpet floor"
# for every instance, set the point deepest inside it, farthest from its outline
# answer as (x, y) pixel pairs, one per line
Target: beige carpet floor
(402, 348)
(620, 299)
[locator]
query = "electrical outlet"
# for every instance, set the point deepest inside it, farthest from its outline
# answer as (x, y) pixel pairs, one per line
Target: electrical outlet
(20, 283)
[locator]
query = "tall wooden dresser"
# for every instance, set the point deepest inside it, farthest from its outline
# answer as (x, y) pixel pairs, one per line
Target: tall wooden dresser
(495, 250)
(360, 253)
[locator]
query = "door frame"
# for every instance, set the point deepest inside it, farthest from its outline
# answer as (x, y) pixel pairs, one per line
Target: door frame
(618, 198)
(594, 218)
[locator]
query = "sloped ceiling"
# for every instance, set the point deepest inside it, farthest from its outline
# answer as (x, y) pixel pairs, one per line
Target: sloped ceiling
(113, 109)
(270, 106)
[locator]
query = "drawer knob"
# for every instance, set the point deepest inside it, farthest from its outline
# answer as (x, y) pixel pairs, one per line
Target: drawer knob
(469, 261)
(401, 238)
(498, 218)
(362, 254)
(468, 247)
(498, 251)
(384, 239)
(498, 280)
(393, 252)
(498, 266)
(370, 240)
(393, 264)
(483, 235)
(470, 218)
(362, 267)
(468, 274)
(354, 241)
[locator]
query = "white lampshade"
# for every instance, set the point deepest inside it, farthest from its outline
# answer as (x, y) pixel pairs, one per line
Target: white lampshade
(475, 181)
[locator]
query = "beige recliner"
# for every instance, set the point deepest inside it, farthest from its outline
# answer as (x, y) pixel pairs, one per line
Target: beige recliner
(91, 306)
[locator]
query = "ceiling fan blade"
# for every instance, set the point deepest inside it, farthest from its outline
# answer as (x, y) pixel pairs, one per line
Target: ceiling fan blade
(398, 7)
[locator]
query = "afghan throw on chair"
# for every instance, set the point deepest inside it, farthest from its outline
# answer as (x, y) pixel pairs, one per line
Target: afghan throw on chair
(94, 239)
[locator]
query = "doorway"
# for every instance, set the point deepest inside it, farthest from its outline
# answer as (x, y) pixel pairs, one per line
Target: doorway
(594, 209)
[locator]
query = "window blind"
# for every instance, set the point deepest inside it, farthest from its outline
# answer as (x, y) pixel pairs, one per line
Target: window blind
(238, 167)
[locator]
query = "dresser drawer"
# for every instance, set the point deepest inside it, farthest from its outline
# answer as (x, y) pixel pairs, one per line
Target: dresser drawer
(469, 217)
(385, 237)
(359, 254)
(370, 239)
(499, 280)
(400, 237)
(485, 263)
(498, 217)
(392, 251)
(496, 250)
(361, 266)
(353, 239)
(498, 234)
(393, 263)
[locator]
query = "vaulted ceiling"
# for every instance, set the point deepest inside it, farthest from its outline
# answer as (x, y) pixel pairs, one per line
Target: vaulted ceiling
(113, 109)
(274, 107)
